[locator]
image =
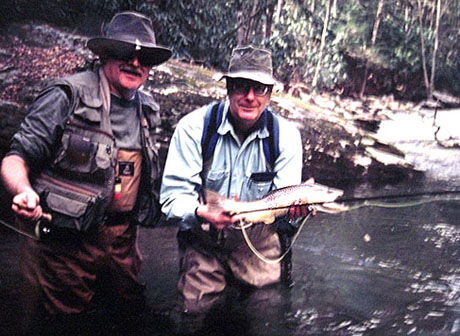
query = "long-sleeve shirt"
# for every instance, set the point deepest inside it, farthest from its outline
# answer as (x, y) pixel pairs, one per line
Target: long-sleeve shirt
(235, 168)
(39, 133)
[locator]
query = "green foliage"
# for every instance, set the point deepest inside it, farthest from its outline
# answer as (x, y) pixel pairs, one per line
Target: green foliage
(206, 31)
(295, 43)
(397, 54)
(202, 31)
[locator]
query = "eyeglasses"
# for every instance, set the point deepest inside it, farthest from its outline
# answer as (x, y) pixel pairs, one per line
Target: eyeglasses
(243, 86)
(128, 55)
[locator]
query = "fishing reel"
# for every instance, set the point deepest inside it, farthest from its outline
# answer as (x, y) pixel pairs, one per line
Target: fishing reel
(46, 230)
(43, 227)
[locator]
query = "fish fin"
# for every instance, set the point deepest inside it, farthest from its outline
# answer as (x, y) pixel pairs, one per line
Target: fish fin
(310, 181)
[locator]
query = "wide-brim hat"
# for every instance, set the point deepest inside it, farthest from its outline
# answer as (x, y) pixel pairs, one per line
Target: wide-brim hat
(251, 63)
(130, 30)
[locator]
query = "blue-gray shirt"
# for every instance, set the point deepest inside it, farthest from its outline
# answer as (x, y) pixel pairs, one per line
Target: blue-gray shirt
(232, 166)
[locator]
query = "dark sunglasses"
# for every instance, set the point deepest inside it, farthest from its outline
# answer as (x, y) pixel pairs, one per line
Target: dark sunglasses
(128, 55)
(243, 86)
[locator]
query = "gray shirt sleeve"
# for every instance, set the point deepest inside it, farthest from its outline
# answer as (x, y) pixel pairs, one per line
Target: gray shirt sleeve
(39, 132)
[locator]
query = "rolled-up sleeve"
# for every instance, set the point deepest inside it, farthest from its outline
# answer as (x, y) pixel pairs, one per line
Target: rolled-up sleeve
(182, 180)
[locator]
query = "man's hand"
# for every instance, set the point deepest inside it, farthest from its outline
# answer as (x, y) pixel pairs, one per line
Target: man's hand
(14, 174)
(209, 214)
(298, 210)
(27, 205)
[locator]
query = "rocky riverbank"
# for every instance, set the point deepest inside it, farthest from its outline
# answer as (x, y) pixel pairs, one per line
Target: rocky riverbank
(338, 133)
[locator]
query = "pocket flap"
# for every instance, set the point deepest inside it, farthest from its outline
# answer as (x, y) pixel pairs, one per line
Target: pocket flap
(89, 107)
(66, 206)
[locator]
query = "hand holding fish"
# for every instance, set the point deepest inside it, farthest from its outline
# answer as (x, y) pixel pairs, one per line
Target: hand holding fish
(214, 216)
(299, 209)
(292, 201)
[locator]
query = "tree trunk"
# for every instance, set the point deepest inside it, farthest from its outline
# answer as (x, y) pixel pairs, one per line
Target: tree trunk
(375, 30)
(422, 41)
(240, 34)
(279, 8)
(334, 9)
(323, 42)
(270, 12)
(251, 19)
(435, 48)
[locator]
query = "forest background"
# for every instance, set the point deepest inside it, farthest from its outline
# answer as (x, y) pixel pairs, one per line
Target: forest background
(405, 48)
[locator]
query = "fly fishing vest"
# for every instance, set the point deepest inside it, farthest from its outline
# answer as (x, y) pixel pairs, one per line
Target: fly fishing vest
(78, 185)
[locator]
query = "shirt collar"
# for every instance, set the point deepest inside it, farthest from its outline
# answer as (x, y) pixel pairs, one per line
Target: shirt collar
(260, 129)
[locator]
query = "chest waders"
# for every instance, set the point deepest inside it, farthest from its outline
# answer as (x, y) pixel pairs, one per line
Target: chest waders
(212, 121)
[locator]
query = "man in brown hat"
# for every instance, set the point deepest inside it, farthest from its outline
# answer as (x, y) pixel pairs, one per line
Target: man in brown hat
(81, 170)
(243, 156)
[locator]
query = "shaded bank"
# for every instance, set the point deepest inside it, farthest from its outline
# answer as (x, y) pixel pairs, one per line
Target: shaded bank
(338, 133)
(340, 148)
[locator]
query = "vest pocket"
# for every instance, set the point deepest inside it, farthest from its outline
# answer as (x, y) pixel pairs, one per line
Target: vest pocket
(70, 206)
(217, 181)
(80, 154)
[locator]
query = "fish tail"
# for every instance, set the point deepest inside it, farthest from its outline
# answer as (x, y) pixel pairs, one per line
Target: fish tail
(218, 202)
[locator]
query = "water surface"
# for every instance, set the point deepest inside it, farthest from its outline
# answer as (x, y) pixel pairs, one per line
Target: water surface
(371, 271)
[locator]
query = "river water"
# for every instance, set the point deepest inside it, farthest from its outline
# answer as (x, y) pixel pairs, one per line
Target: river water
(370, 271)
(404, 278)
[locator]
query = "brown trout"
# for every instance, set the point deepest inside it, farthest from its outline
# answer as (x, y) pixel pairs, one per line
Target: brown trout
(276, 203)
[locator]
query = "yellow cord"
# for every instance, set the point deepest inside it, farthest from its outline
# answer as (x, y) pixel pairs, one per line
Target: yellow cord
(397, 205)
(259, 254)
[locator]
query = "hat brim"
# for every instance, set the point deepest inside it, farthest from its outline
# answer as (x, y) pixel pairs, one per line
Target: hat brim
(104, 46)
(255, 76)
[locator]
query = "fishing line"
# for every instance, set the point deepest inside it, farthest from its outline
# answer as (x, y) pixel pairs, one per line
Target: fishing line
(396, 196)
(259, 254)
(11, 227)
(398, 205)
(366, 203)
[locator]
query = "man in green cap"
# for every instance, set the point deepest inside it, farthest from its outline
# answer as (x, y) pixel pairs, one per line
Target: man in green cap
(81, 169)
(243, 156)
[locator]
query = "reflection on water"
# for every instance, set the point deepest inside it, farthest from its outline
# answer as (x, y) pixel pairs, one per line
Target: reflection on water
(404, 280)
